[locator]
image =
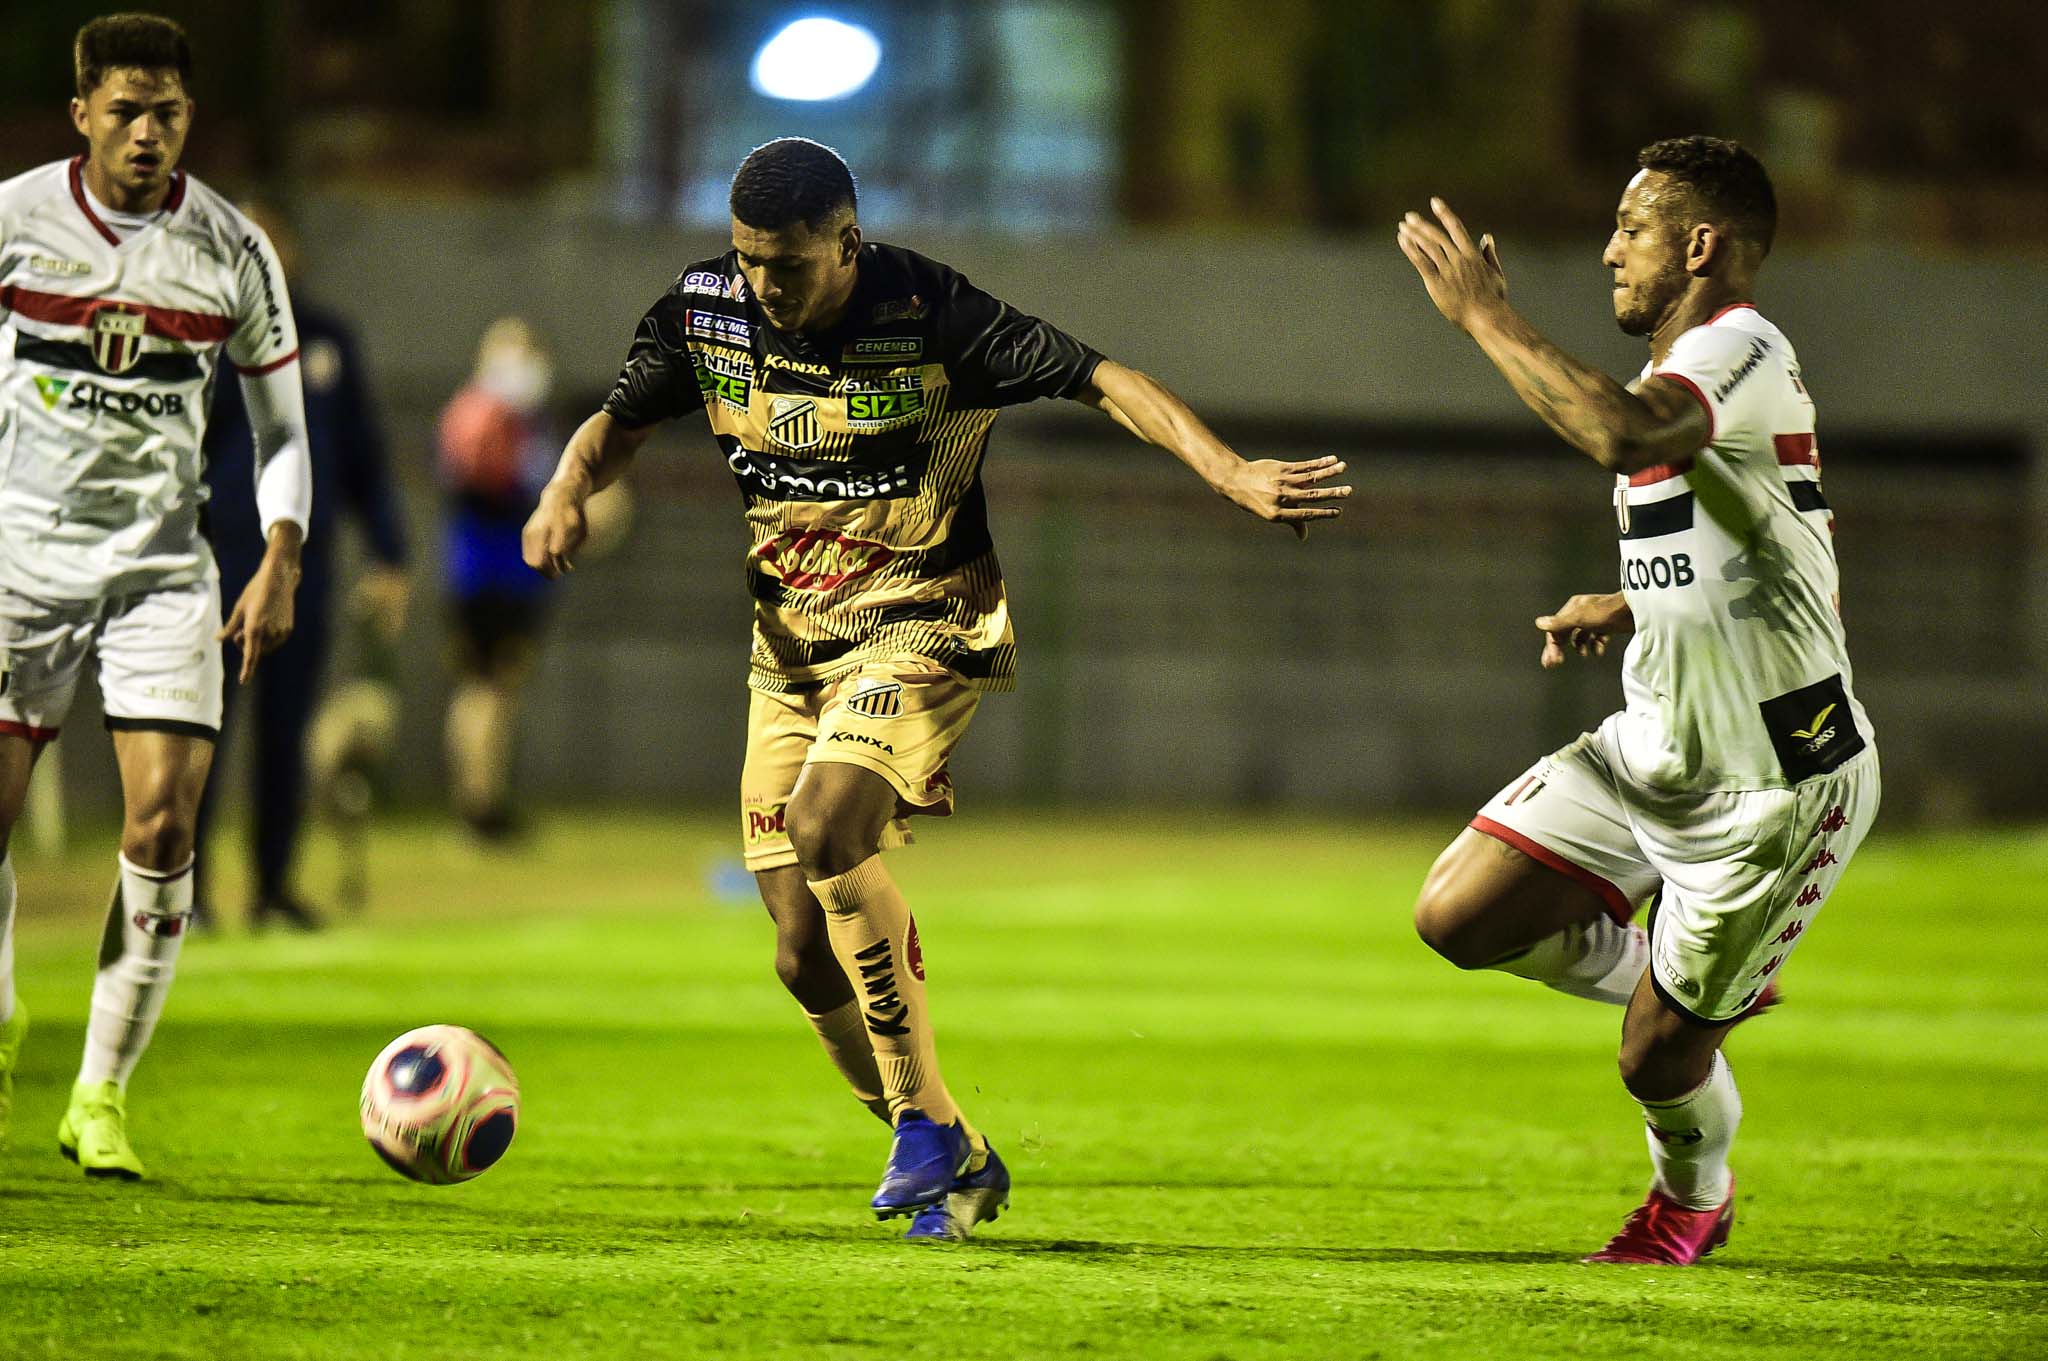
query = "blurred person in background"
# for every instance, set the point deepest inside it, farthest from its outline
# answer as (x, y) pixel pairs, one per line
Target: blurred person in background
(496, 451)
(125, 287)
(351, 476)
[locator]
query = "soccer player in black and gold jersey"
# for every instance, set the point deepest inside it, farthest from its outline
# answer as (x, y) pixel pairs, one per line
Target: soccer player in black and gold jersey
(851, 387)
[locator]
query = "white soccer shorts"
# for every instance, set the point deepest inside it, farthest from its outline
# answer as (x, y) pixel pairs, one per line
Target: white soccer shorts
(159, 663)
(1743, 874)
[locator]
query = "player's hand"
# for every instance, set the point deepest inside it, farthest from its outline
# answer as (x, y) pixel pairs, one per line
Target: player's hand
(1584, 623)
(1464, 278)
(262, 617)
(553, 533)
(1289, 493)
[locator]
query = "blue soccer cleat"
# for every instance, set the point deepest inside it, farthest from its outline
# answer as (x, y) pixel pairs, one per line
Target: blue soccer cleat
(976, 1198)
(924, 1162)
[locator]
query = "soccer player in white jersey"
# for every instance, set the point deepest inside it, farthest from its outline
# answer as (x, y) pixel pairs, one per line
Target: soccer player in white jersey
(1741, 774)
(123, 282)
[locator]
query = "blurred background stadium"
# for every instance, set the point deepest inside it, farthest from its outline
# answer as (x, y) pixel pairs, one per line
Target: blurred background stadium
(1206, 190)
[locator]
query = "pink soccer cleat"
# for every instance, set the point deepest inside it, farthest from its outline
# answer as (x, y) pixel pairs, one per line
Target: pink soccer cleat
(1664, 1233)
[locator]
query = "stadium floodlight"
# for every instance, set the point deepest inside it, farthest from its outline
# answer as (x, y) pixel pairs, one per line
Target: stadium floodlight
(816, 58)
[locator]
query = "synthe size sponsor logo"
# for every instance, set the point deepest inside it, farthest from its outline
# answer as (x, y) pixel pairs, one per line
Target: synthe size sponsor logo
(802, 479)
(735, 392)
(92, 397)
(1758, 348)
(819, 560)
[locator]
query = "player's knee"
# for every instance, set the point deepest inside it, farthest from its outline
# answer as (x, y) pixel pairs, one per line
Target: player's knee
(160, 839)
(1445, 924)
(1655, 1070)
(826, 839)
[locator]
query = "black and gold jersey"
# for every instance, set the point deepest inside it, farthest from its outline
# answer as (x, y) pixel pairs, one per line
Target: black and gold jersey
(858, 455)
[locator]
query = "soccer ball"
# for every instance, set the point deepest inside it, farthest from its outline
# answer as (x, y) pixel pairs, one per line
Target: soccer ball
(440, 1104)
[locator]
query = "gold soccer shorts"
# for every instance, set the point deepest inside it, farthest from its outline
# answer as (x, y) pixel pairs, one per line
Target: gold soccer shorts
(900, 719)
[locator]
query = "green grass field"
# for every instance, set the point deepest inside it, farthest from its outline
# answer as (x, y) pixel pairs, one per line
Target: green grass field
(1249, 1116)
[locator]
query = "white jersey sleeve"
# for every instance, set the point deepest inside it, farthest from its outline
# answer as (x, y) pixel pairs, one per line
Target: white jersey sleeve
(265, 336)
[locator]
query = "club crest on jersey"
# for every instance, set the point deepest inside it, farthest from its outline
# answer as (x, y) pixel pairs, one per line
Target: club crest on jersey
(874, 698)
(793, 423)
(117, 339)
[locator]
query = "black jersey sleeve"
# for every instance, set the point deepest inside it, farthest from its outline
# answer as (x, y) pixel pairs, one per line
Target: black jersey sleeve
(659, 380)
(996, 355)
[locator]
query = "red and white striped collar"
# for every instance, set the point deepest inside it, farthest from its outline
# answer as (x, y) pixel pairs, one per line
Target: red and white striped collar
(84, 200)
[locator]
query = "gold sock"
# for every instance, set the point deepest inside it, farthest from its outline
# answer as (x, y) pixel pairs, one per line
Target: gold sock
(874, 938)
(845, 1038)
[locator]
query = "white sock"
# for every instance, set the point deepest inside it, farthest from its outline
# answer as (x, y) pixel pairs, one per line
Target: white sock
(145, 928)
(6, 938)
(1602, 960)
(1689, 1140)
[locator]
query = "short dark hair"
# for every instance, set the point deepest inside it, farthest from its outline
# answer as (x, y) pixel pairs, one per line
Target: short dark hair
(114, 42)
(1725, 179)
(791, 180)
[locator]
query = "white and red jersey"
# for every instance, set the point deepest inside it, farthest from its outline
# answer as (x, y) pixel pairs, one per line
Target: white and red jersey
(1738, 675)
(109, 346)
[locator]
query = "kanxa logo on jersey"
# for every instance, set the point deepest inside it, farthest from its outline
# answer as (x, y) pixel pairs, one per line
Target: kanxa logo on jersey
(117, 338)
(819, 559)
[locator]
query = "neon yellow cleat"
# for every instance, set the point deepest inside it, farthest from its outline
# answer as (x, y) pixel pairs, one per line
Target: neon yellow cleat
(94, 1132)
(13, 1031)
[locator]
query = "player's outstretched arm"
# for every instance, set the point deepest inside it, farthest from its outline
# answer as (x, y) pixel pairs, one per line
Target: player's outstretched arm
(1622, 430)
(1584, 624)
(596, 455)
(1289, 493)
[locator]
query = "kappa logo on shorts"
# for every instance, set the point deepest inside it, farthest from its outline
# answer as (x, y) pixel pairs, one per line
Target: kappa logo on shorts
(793, 423)
(876, 698)
(117, 339)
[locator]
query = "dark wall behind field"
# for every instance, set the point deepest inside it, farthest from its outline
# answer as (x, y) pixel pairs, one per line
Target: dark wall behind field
(1176, 651)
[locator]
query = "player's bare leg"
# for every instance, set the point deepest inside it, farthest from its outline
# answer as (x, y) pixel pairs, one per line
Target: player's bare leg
(1486, 905)
(835, 819)
(17, 762)
(163, 775)
(479, 733)
(1672, 1064)
(807, 967)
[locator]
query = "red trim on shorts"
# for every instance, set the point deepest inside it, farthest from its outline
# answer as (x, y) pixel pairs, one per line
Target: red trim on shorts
(1617, 905)
(32, 733)
(271, 367)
